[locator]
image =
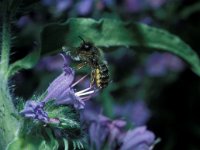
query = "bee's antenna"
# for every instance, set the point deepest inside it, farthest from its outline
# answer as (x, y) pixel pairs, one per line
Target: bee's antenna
(82, 39)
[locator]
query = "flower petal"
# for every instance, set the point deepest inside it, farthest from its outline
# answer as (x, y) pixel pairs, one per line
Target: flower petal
(34, 110)
(137, 138)
(60, 87)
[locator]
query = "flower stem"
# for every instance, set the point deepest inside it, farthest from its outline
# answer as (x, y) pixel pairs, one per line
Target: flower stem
(6, 42)
(8, 122)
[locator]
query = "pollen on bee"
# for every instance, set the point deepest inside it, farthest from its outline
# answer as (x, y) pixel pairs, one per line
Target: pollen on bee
(98, 76)
(97, 71)
(98, 82)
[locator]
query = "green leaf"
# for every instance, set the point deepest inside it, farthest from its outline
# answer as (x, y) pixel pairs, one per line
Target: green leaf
(113, 33)
(25, 63)
(34, 142)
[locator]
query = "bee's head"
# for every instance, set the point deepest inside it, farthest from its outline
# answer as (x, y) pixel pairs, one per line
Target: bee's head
(85, 45)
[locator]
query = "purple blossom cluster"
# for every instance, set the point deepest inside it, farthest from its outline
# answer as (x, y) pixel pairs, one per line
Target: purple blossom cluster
(103, 132)
(138, 139)
(132, 6)
(137, 112)
(23, 21)
(85, 7)
(60, 5)
(35, 110)
(103, 129)
(51, 63)
(62, 91)
(159, 64)
(111, 134)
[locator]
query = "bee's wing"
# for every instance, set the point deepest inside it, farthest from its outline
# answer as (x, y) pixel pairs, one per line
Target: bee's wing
(102, 57)
(100, 53)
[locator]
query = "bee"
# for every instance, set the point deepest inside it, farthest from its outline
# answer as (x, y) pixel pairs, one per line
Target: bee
(88, 54)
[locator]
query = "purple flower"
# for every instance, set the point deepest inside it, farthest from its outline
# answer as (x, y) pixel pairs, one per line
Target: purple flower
(97, 135)
(58, 6)
(173, 62)
(23, 21)
(62, 5)
(136, 112)
(103, 130)
(84, 7)
(138, 139)
(89, 114)
(156, 3)
(139, 5)
(35, 110)
(134, 5)
(51, 63)
(158, 64)
(140, 113)
(62, 91)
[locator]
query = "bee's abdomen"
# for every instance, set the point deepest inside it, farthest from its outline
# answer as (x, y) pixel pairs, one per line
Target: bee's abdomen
(102, 76)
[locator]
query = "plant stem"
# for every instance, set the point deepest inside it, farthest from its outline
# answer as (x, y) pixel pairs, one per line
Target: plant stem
(6, 42)
(8, 123)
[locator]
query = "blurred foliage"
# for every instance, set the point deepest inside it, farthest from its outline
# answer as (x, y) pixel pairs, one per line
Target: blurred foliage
(26, 63)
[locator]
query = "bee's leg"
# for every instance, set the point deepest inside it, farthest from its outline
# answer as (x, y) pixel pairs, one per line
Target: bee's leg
(81, 65)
